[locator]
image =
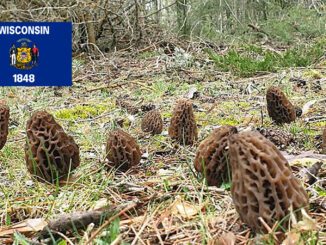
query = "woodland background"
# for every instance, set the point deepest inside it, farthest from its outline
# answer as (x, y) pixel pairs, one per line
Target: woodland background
(114, 25)
(222, 55)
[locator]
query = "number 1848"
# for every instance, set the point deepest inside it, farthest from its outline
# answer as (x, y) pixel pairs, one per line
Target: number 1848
(28, 78)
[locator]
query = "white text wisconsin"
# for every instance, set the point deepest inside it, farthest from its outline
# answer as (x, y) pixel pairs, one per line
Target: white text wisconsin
(24, 30)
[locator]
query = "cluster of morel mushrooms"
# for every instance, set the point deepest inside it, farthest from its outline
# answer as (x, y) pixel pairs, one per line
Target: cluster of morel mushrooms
(263, 185)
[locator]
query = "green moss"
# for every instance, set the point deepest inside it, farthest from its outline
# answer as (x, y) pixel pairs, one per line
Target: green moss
(86, 144)
(244, 104)
(228, 121)
(313, 74)
(157, 141)
(319, 124)
(80, 112)
(207, 120)
(159, 137)
(321, 192)
(227, 105)
(166, 114)
(148, 173)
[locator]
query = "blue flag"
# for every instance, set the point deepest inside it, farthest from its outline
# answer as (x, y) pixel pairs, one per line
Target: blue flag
(35, 54)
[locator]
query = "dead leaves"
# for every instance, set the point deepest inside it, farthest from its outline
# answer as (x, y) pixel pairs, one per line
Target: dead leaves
(226, 239)
(176, 214)
(304, 157)
(299, 229)
(293, 239)
(310, 164)
(180, 209)
(306, 224)
(26, 226)
(307, 107)
(66, 222)
(184, 209)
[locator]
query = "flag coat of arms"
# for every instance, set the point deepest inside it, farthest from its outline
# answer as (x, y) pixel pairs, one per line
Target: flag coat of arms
(24, 55)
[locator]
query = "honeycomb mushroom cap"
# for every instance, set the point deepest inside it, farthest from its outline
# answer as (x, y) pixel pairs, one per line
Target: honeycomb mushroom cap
(130, 108)
(152, 122)
(183, 126)
(280, 138)
(212, 158)
(323, 147)
(147, 107)
(122, 150)
(50, 153)
(4, 122)
(279, 107)
(262, 181)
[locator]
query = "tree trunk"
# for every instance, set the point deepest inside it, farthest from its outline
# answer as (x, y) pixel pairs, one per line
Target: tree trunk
(182, 7)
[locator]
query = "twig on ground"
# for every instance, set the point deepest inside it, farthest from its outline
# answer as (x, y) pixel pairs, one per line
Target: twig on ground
(106, 223)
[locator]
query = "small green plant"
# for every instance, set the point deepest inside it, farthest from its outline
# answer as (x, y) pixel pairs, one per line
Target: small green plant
(294, 24)
(111, 233)
(166, 185)
(226, 186)
(20, 239)
(253, 59)
(244, 65)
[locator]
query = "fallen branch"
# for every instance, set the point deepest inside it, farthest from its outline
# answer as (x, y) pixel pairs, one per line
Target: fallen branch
(315, 119)
(81, 220)
(106, 223)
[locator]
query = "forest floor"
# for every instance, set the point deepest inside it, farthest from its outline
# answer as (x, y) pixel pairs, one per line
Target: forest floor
(169, 203)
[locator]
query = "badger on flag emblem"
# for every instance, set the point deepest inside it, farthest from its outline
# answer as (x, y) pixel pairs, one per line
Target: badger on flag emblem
(24, 54)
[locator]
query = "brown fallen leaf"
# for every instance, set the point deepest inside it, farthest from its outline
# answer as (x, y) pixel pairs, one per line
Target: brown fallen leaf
(11, 95)
(101, 203)
(26, 226)
(306, 224)
(306, 154)
(226, 239)
(292, 238)
(306, 107)
(306, 162)
(184, 209)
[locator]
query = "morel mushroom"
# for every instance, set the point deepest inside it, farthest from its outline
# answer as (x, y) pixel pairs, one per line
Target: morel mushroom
(323, 146)
(50, 153)
(147, 107)
(183, 126)
(262, 181)
(280, 138)
(152, 122)
(279, 107)
(4, 121)
(130, 108)
(122, 150)
(212, 158)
